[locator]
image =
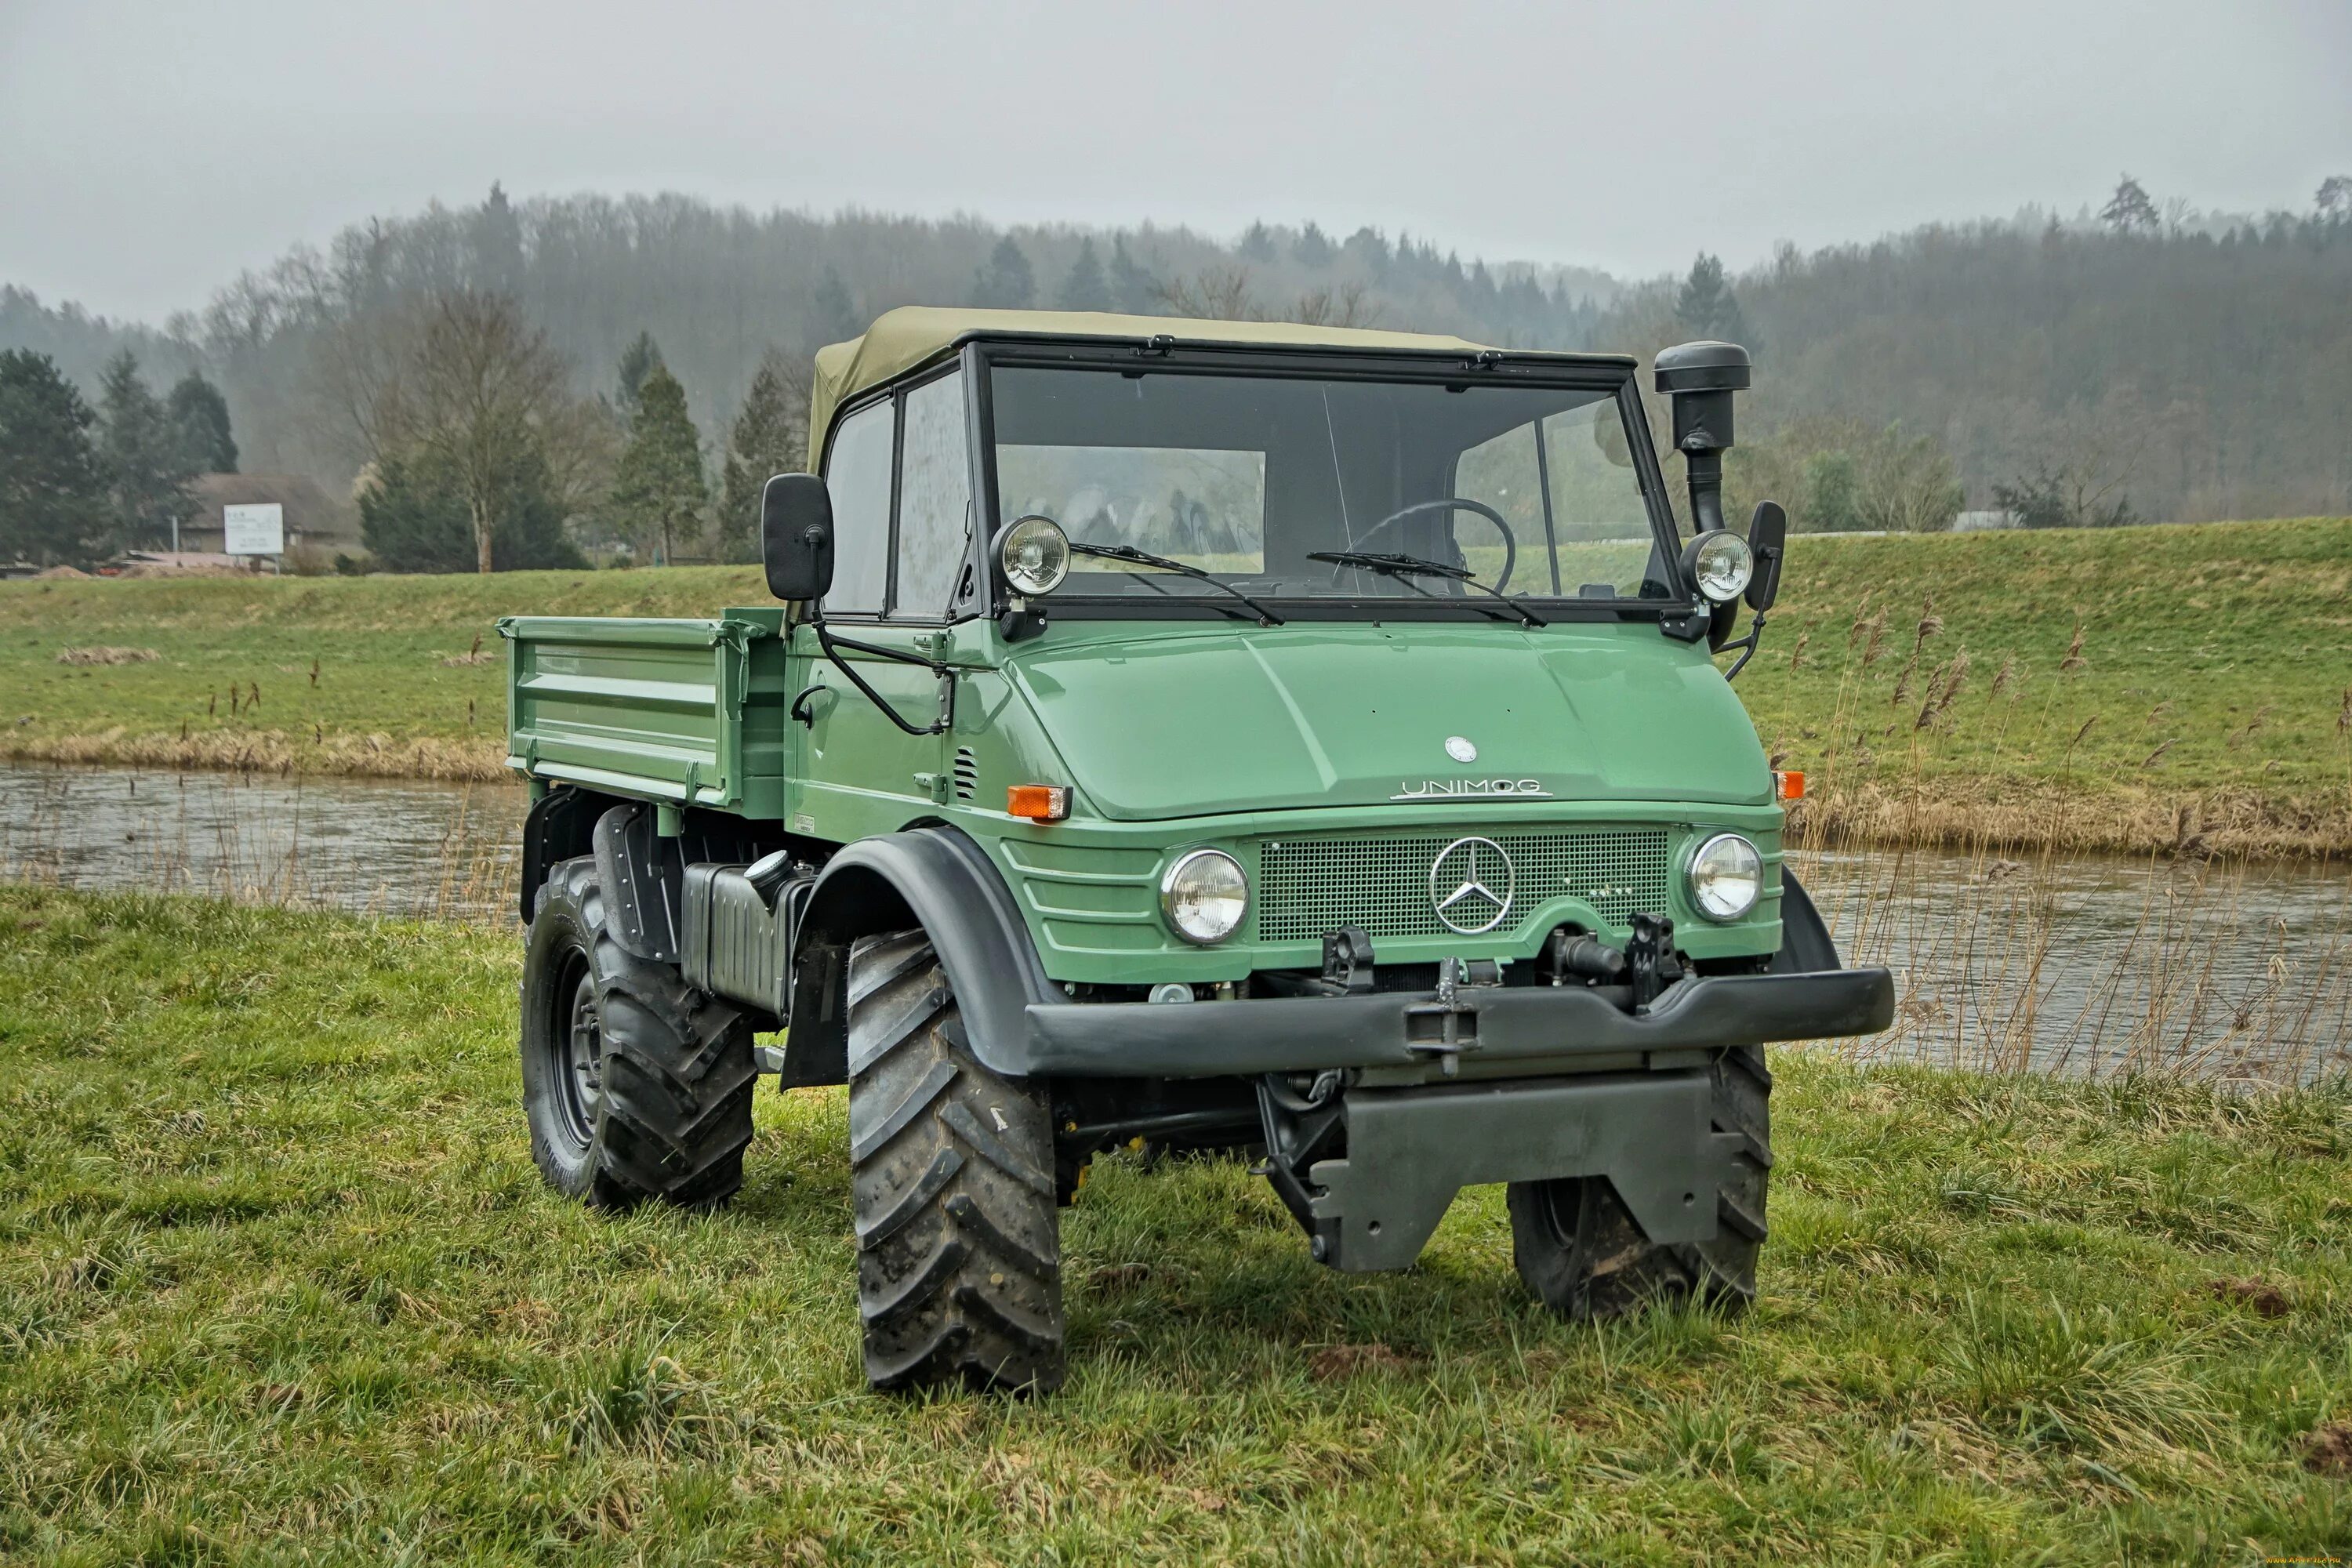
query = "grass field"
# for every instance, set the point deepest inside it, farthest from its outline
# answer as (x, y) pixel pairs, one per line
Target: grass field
(1932, 686)
(278, 1283)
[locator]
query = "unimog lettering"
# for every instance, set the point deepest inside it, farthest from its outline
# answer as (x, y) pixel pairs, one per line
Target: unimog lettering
(1071, 794)
(1409, 790)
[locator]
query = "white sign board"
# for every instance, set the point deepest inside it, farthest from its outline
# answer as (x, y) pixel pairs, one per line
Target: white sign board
(254, 530)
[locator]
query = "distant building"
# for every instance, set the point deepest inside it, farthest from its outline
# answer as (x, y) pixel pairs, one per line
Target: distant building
(313, 516)
(1986, 522)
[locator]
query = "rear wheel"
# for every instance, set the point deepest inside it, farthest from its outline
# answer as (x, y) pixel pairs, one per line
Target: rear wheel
(635, 1084)
(959, 1243)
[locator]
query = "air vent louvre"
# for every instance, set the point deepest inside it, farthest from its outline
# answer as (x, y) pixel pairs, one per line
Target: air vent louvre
(967, 773)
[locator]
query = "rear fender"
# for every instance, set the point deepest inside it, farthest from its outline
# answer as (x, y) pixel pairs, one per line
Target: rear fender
(560, 827)
(938, 879)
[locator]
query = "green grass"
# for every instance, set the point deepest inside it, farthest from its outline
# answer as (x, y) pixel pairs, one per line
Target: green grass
(279, 1283)
(389, 694)
(2214, 675)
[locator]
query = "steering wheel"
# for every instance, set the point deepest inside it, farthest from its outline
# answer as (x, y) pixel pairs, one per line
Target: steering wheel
(1452, 504)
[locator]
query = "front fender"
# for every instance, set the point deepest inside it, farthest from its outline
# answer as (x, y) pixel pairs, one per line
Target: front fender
(938, 879)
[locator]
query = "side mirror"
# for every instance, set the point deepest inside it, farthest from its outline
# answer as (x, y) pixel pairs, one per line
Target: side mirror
(796, 537)
(1768, 540)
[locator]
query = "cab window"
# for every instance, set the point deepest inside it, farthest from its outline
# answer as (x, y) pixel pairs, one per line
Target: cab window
(857, 476)
(935, 510)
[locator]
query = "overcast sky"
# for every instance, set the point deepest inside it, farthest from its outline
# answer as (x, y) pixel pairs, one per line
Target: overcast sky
(149, 151)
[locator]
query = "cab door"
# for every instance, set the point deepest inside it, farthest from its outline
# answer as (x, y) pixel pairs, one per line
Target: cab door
(899, 469)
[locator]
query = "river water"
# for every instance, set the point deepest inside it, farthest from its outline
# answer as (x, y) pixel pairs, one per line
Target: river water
(2071, 963)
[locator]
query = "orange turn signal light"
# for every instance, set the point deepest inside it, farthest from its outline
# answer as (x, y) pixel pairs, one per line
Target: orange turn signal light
(1788, 784)
(1038, 802)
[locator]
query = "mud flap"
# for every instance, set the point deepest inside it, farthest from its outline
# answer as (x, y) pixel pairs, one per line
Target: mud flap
(1410, 1150)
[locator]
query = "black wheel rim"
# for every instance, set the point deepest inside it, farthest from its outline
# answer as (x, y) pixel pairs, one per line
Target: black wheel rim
(578, 1041)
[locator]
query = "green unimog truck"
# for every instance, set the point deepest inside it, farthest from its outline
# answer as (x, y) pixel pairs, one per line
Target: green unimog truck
(1298, 741)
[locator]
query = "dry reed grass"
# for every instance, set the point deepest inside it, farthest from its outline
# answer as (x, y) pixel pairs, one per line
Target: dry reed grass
(106, 656)
(475, 759)
(2021, 816)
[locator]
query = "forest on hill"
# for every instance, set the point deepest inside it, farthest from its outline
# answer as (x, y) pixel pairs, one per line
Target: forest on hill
(2143, 362)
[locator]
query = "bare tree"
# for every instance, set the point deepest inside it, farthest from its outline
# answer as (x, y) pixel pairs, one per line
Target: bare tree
(1214, 293)
(354, 367)
(1349, 305)
(471, 389)
(471, 386)
(1907, 482)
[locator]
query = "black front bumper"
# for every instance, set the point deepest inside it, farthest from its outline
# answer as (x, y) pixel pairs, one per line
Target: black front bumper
(1537, 1029)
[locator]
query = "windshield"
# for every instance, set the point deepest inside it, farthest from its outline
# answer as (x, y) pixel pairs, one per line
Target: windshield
(1530, 490)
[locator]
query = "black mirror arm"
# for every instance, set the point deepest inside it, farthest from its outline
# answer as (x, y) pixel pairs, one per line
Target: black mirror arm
(1746, 647)
(828, 642)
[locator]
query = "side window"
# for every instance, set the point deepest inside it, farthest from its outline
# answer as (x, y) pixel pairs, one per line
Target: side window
(1504, 474)
(1573, 506)
(857, 474)
(935, 512)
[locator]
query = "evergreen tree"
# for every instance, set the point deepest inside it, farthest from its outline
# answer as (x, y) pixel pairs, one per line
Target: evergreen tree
(415, 517)
(1006, 282)
(1132, 289)
(834, 314)
(199, 416)
(658, 492)
(1368, 246)
(1085, 288)
(1314, 248)
(638, 361)
(497, 245)
(769, 437)
(1257, 244)
(52, 489)
(2130, 210)
(147, 470)
(1706, 308)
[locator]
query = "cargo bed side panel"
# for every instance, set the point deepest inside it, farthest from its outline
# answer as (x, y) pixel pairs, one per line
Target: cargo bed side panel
(688, 712)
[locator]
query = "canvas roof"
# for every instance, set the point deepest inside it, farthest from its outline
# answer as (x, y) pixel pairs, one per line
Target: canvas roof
(902, 339)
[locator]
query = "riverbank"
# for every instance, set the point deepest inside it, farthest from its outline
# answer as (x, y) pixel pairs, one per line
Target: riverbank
(2150, 690)
(279, 1275)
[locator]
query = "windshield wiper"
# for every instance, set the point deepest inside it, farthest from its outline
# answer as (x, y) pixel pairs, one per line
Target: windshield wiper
(1407, 567)
(1134, 557)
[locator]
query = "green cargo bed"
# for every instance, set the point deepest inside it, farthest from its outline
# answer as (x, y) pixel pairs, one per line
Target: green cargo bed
(656, 709)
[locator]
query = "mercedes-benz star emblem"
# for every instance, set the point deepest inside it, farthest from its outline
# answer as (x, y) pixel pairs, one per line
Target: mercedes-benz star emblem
(1471, 884)
(1459, 748)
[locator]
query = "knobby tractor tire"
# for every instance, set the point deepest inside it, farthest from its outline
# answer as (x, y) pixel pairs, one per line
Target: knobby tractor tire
(959, 1242)
(636, 1086)
(1578, 1249)
(1577, 1245)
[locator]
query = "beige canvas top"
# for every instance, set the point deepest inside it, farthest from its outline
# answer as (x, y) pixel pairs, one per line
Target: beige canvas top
(902, 339)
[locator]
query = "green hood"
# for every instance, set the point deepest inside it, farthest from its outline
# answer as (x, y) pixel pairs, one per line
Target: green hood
(1156, 723)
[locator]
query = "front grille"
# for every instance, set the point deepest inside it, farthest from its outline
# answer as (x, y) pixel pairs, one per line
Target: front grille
(1308, 887)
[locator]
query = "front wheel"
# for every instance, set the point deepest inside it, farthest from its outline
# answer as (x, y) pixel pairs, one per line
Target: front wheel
(959, 1243)
(1579, 1250)
(1577, 1245)
(635, 1084)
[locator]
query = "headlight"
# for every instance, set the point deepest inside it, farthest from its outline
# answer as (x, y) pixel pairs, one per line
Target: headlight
(1726, 875)
(1035, 553)
(1204, 895)
(1721, 562)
